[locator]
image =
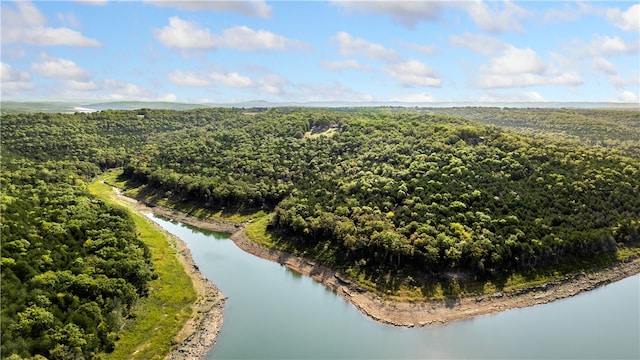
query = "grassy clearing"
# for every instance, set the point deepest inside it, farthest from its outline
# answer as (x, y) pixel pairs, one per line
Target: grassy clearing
(160, 316)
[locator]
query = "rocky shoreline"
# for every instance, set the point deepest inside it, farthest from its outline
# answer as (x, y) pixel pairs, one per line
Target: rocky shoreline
(410, 314)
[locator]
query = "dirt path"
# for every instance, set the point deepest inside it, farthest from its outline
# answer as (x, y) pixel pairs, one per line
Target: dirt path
(419, 313)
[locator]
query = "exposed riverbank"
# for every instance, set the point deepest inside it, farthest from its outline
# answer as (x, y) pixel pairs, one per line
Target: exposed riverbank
(415, 313)
(199, 334)
(439, 312)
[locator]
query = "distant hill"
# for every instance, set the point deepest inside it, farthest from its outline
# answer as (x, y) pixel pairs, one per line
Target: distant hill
(12, 107)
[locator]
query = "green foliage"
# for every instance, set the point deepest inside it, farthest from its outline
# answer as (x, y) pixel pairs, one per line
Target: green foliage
(73, 267)
(383, 193)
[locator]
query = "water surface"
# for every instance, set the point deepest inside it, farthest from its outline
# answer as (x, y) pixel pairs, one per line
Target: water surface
(274, 313)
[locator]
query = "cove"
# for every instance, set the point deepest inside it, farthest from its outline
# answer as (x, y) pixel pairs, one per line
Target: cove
(274, 313)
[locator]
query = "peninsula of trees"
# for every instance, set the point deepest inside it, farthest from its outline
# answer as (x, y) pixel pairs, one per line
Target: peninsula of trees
(386, 194)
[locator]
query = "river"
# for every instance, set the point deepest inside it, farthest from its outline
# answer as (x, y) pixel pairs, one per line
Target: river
(274, 313)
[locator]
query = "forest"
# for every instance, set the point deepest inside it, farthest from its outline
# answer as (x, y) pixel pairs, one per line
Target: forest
(414, 192)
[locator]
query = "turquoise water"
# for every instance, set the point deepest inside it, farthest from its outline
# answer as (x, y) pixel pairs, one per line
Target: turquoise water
(274, 313)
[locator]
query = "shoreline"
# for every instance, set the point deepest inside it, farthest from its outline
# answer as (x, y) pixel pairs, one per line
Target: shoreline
(198, 335)
(412, 314)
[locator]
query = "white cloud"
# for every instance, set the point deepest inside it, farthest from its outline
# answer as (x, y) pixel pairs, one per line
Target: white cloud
(493, 81)
(495, 18)
(426, 50)
(414, 73)
(350, 46)
(481, 44)
(622, 82)
(628, 20)
(68, 19)
(515, 61)
(626, 97)
(345, 64)
(14, 81)
(247, 39)
(183, 34)
(254, 8)
(604, 66)
(76, 85)
(604, 46)
(408, 13)
(517, 67)
(121, 90)
(232, 79)
(273, 84)
(568, 12)
(58, 68)
(188, 79)
(27, 25)
(168, 97)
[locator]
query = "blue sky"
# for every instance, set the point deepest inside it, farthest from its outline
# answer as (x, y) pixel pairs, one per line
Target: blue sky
(231, 51)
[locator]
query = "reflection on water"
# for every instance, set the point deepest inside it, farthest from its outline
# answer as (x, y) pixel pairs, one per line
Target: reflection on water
(275, 313)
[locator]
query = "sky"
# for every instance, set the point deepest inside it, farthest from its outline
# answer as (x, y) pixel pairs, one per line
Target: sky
(311, 51)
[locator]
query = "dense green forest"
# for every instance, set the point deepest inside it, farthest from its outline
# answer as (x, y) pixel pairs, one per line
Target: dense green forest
(377, 191)
(72, 266)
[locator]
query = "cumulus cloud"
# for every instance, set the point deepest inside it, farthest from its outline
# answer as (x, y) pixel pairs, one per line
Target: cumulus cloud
(122, 90)
(413, 73)
(232, 79)
(515, 61)
(603, 46)
(273, 84)
(79, 85)
(183, 34)
(350, 46)
(14, 81)
(626, 97)
(58, 68)
(254, 8)
(495, 18)
(568, 12)
(628, 20)
(620, 82)
(350, 64)
(517, 67)
(604, 66)
(492, 81)
(481, 44)
(188, 79)
(247, 39)
(26, 24)
(426, 50)
(407, 13)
